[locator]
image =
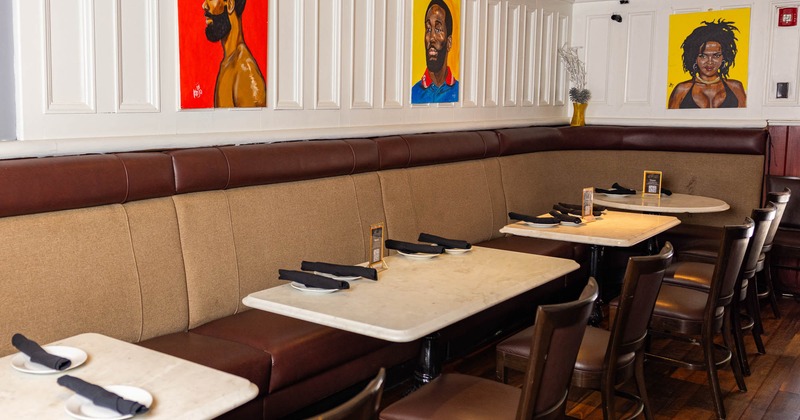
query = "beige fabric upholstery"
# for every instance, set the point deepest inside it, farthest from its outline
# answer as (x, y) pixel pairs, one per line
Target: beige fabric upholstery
(460, 200)
(68, 272)
(212, 281)
(157, 249)
(280, 225)
(561, 174)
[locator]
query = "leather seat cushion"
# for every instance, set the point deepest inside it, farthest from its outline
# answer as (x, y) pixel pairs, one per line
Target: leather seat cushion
(788, 242)
(299, 349)
(518, 344)
(681, 303)
(593, 349)
(228, 356)
(456, 396)
(695, 275)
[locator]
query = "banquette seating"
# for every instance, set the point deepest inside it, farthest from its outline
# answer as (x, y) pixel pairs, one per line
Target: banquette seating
(159, 247)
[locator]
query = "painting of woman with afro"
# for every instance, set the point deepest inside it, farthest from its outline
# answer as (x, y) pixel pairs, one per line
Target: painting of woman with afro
(709, 53)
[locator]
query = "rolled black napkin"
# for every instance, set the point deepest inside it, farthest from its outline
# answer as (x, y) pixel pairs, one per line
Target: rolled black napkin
(614, 191)
(38, 354)
(312, 280)
(565, 217)
(532, 219)
(447, 243)
(101, 397)
(340, 270)
(618, 187)
(413, 248)
(578, 206)
(665, 191)
(574, 211)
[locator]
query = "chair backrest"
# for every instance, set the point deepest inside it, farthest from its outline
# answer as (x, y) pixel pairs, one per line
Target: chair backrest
(557, 336)
(791, 215)
(735, 239)
(763, 220)
(363, 406)
(640, 288)
(780, 200)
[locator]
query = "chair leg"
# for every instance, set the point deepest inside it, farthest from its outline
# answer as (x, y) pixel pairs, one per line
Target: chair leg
(727, 340)
(500, 368)
(753, 309)
(607, 393)
(738, 338)
(767, 274)
(711, 369)
(640, 384)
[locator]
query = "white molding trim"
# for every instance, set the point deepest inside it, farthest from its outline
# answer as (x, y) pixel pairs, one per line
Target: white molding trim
(85, 58)
(328, 54)
(150, 62)
(363, 50)
(289, 66)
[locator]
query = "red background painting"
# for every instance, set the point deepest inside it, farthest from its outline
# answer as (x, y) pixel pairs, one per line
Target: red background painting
(200, 58)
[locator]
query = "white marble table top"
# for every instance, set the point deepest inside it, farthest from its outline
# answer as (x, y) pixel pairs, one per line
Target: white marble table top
(180, 389)
(614, 228)
(675, 203)
(413, 297)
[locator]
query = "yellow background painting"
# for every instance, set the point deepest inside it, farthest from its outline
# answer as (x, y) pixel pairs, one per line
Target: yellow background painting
(681, 25)
(418, 64)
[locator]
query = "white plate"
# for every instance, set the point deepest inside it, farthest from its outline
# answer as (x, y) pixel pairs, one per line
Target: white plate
(457, 251)
(22, 362)
(618, 195)
(541, 225)
(82, 408)
(335, 277)
(571, 224)
(419, 255)
(303, 288)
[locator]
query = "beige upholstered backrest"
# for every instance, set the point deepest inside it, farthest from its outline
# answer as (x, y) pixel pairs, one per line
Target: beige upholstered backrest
(462, 200)
(534, 182)
(92, 269)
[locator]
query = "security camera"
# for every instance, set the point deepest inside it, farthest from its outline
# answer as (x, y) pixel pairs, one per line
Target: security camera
(617, 18)
(623, 1)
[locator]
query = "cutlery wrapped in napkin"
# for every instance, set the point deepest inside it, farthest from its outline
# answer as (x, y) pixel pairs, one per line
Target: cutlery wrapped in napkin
(578, 206)
(413, 248)
(101, 397)
(565, 217)
(665, 191)
(312, 280)
(38, 354)
(616, 189)
(532, 219)
(447, 243)
(340, 270)
(574, 211)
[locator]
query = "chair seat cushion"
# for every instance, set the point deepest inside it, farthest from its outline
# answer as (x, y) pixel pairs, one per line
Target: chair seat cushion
(456, 396)
(299, 349)
(518, 344)
(592, 353)
(681, 303)
(695, 275)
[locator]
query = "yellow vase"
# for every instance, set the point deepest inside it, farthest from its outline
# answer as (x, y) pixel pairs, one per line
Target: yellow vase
(578, 114)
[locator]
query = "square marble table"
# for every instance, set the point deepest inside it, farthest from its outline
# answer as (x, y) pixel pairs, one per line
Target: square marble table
(180, 389)
(417, 297)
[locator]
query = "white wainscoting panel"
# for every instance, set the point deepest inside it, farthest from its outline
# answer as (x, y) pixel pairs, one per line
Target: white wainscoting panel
(289, 54)
(328, 54)
(514, 53)
(640, 58)
(561, 77)
(548, 59)
(137, 76)
(597, 56)
(531, 68)
(70, 56)
(783, 63)
(494, 42)
(363, 49)
(472, 52)
(395, 84)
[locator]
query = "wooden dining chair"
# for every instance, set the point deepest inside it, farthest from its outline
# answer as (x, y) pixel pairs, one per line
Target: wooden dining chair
(363, 406)
(608, 359)
(554, 345)
(699, 275)
(785, 251)
(696, 316)
(782, 199)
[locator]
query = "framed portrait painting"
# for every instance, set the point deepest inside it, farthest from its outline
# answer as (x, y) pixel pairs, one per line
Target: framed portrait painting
(435, 54)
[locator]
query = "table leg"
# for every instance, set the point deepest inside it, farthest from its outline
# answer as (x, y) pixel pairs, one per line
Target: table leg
(594, 260)
(429, 365)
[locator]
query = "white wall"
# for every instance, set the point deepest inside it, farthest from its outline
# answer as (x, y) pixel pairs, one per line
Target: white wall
(99, 76)
(627, 63)
(7, 114)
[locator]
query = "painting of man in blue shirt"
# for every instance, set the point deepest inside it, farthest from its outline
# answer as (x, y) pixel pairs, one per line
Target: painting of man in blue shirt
(437, 83)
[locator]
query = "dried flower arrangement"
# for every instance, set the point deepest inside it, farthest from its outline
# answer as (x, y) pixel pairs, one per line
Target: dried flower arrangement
(577, 74)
